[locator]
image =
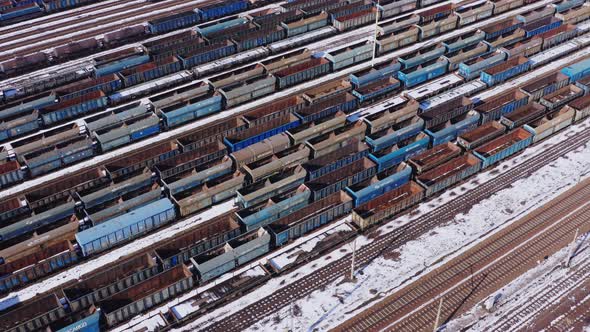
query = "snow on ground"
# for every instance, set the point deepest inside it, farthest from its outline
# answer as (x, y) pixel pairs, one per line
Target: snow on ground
(525, 289)
(332, 305)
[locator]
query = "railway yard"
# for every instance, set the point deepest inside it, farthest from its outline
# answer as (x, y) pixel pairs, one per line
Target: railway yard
(300, 165)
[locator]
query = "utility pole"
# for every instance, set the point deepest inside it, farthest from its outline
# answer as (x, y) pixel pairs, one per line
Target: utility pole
(352, 261)
(375, 35)
(571, 251)
(292, 317)
(438, 314)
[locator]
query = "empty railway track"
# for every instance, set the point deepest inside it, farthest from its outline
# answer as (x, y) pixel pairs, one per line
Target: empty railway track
(439, 216)
(469, 278)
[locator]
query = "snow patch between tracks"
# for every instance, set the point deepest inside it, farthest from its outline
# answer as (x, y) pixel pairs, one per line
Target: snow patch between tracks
(333, 304)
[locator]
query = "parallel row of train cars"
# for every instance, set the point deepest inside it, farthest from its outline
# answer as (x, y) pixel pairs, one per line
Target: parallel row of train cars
(285, 186)
(14, 11)
(475, 53)
(292, 166)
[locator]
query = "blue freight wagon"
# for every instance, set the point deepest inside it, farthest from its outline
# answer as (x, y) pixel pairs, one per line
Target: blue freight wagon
(493, 108)
(335, 160)
(214, 27)
(239, 145)
(463, 41)
(497, 29)
(115, 66)
(564, 5)
(393, 178)
(126, 227)
(504, 146)
(19, 125)
(310, 217)
(215, 10)
(375, 73)
(577, 70)
(376, 89)
(259, 216)
(504, 71)
(16, 12)
(74, 107)
(29, 225)
(350, 55)
(28, 105)
(205, 173)
(387, 159)
(114, 191)
(10, 173)
(541, 26)
(385, 138)
(452, 131)
(128, 131)
(414, 76)
(265, 36)
(60, 155)
(173, 22)
(181, 113)
(207, 53)
(88, 324)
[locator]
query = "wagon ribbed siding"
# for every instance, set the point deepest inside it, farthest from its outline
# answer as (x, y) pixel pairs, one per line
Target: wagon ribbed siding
(116, 190)
(302, 72)
(274, 16)
(564, 5)
(349, 175)
(350, 55)
(481, 135)
(253, 135)
(406, 110)
(559, 98)
(375, 73)
(234, 253)
(107, 84)
(73, 107)
(197, 176)
(33, 316)
(121, 229)
(400, 152)
(354, 20)
(263, 36)
(209, 11)
(574, 15)
(581, 106)
(501, 72)
(550, 124)
(190, 159)
(466, 54)
(10, 173)
(95, 288)
(449, 173)
(127, 131)
(454, 127)
(141, 159)
(395, 134)
(59, 155)
(278, 184)
(119, 61)
(204, 237)
(186, 110)
(310, 130)
(49, 194)
(12, 208)
(524, 48)
(523, 115)
(122, 204)
(261, 150)
(311, 217)
(125, 35)
(208, 194)
(503, 146)
(387, 205)
(242, 92)
(299, 25)
(34, 259)
(558, 35)
(335, 140)
(398, 23)
(27, 105)
(379, 184)
(58, 216)
(545, 85)
(493, 108)
(438, 26)
(426, 71)
(75, 49)
(501, 28)
(123, 305)
(507, 38)
(176, 21)
(397, 39)
(376, 89)
(48, 138)
(541, 26)
(286, 60)
(326, 100)
(422, 55)
(278, 163)
(536, 15)
(151, 70)
(501, 6)
(474, 12)
(442, 113)
(283, 205)
(471, 69)
(389, 8)
(460, 42)
(207, 53)
(333, 161)
(433, 157)
(22, 64)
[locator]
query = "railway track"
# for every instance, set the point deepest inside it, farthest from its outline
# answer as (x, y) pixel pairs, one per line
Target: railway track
(546, 301)
(468, 278)
(322, 277)
(34, 24)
